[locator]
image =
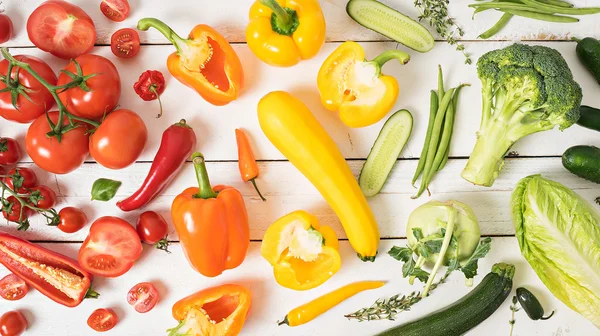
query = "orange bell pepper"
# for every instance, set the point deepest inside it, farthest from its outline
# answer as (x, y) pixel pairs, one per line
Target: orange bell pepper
(216, 311)
(246, 161)
(205, 62)
(303, 253)
(212, 224)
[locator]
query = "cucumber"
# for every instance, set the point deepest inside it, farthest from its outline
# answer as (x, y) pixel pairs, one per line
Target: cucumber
(588, 52)
(376, 16)
(590, 118)
(466, 313)
(583, 161)
(385, 151)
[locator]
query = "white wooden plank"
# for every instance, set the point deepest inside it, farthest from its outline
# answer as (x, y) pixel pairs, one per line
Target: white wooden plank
(215, 126)
(231, 17)
(175, 279)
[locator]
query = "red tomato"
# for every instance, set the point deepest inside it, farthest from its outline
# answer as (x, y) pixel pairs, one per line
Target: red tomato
(111, 247)
(42, 99)
(71, 220)
(116, 10)
(6, 28)
(47, 199)
(29, 179)
(13, 288)
(12, 211)
(119, 140)
(143, 297)
(125, 43)
(10, 152)
(53, 156)
(151, 227)
(62, 29)
(12, 323)
(102, 319)
(105, 88)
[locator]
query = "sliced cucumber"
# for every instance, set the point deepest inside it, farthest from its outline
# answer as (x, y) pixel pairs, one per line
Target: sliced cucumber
(374, 15)
(384, 153)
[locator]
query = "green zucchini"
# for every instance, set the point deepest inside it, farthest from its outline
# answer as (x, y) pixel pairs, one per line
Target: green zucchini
(466, 313)
(590, 118)
(385, 151)
(583, 161)
(588, 52)
(376, 16)
(531, 305)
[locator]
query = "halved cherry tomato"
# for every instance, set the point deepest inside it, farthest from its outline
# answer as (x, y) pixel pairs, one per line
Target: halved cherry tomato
(71, 219)
(116, 10)
(13, 288)
(143, 297)
(125, 43)
(53, 156)
(10, 152)
(102, 319)
(12, 323)
(62, 29)
(6, 28)
(41, 99)
(26, 176)
(111, 247)
(104, 88)
(12, 210)
(151, 227)
(47, 197)
(119, 140)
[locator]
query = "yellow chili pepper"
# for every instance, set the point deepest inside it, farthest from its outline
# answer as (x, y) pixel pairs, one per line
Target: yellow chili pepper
(356, 88)
(309, 311)
(284, 32)
(303, 253)
(293, 129)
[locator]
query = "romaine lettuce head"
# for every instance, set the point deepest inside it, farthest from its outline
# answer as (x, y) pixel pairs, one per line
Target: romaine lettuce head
(559, 235)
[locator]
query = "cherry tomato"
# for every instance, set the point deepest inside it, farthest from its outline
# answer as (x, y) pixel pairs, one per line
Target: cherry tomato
(6, 28)
(125, 43)
(62, 29)
(111, 247)
(10, 152)
(12, 323)
(151, 227)
(29, 179)
(116, 10)
(119, 140)
(12, 211)
(102, 319)
(105, 87)
(143, 297)
(71, 219)
(53, 156)
(13, 288)
(47, 199)
(41, 99)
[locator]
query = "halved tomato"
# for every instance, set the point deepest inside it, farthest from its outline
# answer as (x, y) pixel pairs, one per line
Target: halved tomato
(143, 297)
(125, 43)
(116, 10)
(62, 29)
(102, 319)
(13, 288)
(111, 247)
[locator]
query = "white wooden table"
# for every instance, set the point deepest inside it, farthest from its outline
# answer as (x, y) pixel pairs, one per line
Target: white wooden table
(286, 189)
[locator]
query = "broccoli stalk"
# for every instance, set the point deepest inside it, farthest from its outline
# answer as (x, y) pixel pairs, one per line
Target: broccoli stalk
(525, 90)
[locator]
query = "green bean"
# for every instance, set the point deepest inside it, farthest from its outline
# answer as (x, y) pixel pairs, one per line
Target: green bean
(433, 103)
(440, 85)
(557, 3)
(541, 16)
(443, 151)
(511, 6)
(562, 10)
(497, 27)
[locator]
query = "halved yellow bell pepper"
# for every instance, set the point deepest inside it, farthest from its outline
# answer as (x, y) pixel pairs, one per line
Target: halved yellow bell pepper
(303, 253)
(356, 87)
(284, 32)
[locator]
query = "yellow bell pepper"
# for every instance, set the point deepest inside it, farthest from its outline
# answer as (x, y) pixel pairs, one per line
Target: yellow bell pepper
(303, 253)
(293, 129)
(356, 88)
(284, 32)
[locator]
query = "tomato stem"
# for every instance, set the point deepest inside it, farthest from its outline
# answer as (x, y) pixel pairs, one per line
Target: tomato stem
(205, 190)
(50, 214)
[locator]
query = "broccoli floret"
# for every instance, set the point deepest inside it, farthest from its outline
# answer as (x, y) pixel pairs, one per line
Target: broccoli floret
(526, 89)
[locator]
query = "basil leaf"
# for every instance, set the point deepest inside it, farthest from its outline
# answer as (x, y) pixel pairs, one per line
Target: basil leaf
(104, 189)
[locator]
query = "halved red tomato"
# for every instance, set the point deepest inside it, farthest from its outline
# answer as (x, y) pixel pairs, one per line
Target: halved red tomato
(102, 319)
(143, 297)
(125, 43)
(62, 29)
(116, 10)
(111, 247)
(13, 288)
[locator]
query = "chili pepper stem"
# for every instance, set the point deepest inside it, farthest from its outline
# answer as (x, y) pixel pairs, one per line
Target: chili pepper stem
(258, 191)
(390, 55)
(285, 321)
(205, 189)
(179, 43)
(152, 89)
(91, 294)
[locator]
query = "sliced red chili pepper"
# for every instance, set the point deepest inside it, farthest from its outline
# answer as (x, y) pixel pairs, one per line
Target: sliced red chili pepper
(58, 277)
(150, 86)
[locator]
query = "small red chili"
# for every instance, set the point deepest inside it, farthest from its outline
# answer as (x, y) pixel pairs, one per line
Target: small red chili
(150, 86)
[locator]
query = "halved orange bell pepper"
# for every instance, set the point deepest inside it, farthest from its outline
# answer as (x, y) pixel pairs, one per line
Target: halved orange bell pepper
(356, 88)
(216, 311)
(284, 32)
(212, 224)
(303, 253)
(205, 62)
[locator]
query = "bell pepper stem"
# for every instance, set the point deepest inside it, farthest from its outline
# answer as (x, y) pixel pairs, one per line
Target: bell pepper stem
(170, 34)
(390, 55)
(284, 21)
(205, 189)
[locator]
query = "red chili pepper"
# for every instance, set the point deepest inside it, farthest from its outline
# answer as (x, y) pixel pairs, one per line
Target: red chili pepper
(177, 143)
(246, 160)
(54, 275)
(150, 86)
